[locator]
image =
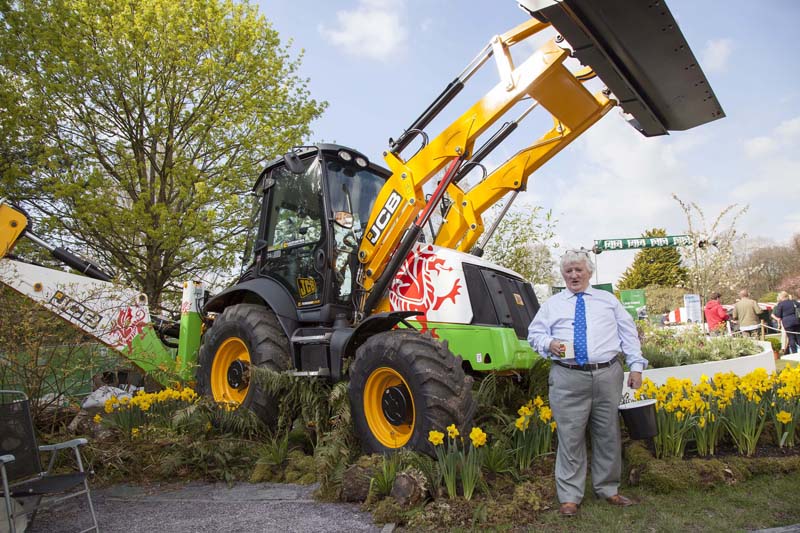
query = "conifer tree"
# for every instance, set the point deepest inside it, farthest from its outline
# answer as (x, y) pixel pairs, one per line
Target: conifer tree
(654, 266)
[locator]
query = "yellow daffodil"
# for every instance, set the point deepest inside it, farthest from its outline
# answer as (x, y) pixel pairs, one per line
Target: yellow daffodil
(784, 417)
(478, 437)
(97, 418)
(452, 431)
(436, 437)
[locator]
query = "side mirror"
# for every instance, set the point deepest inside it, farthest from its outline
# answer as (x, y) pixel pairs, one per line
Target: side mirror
(343, 219)
(293, 163)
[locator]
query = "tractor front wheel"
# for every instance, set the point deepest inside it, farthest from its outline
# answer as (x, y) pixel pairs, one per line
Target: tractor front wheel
(242, 336)
(404, 384)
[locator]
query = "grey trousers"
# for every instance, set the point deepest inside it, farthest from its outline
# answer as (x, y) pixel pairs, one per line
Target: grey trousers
(581, 398)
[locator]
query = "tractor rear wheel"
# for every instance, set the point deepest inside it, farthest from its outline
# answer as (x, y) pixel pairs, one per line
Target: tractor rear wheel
(404, 384)
(242, 336)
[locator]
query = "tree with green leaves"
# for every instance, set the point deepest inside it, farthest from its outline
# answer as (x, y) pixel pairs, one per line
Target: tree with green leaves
(654, 266)
(522, 243)
(139, 127)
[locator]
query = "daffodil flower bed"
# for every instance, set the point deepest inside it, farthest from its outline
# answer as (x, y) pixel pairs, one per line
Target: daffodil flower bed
(686, 412)
(131, 413)
(457, 457)
(532, 436)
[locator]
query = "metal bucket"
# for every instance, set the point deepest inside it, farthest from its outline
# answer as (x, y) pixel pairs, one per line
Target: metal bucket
(640, 419)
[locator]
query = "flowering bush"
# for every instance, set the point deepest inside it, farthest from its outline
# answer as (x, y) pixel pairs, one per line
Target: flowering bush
(533, 432)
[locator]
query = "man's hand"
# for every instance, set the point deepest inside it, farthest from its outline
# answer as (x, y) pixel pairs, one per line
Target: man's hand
(557, 348)
(635, 380)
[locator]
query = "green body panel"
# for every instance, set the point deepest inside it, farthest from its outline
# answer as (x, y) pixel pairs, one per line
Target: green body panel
(189, 343)
(476, 344)
(149, 354)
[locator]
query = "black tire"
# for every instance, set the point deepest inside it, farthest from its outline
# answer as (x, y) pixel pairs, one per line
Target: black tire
(256, 329)
(440, 391)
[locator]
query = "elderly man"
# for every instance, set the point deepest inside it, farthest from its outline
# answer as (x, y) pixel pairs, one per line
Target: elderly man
(586, 387)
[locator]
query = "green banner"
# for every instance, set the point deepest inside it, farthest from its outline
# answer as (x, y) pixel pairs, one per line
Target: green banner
(634, 302)
(641, 242)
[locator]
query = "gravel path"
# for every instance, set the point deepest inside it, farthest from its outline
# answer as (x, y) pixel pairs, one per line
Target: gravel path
(196, 507)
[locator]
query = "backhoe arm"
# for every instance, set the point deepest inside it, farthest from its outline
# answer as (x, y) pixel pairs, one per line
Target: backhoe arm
(116, 316)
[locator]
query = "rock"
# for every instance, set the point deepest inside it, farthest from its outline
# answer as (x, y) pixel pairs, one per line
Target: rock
(409, 488)
(81, 424)
(355, 483)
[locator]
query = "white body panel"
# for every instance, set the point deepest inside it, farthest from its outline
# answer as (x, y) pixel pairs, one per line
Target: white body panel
(111, 314)
(432, 280)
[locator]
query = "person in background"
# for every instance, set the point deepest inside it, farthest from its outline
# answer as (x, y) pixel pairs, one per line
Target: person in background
(586, 387)
(746, 312)
(715, 314)
(787, 313)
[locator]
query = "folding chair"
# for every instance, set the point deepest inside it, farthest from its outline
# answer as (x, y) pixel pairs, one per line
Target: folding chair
(21, 468)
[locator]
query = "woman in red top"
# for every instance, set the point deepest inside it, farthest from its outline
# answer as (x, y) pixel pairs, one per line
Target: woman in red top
(715, 314)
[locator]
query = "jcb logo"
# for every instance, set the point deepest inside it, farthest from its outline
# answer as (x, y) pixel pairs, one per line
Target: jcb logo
(384, 216)
(306, 286)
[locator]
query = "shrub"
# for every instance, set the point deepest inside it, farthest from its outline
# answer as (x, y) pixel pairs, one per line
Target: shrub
(663, 347)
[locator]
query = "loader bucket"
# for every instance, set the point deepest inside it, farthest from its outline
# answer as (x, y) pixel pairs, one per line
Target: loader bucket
(640, 54)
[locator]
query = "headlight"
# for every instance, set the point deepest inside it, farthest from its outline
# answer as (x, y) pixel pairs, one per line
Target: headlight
(345, 156)
(360, 161)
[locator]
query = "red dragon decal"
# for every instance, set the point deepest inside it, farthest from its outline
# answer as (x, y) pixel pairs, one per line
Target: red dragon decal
(414, 287)
(129, 323)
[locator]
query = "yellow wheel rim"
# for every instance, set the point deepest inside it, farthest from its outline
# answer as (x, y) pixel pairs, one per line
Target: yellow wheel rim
(388, 434)
(231, 351)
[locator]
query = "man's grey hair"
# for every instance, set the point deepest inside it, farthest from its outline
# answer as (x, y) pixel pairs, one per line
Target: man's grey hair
(577, 256)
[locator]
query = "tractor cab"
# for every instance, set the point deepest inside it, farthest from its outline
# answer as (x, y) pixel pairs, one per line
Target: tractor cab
(313, 203)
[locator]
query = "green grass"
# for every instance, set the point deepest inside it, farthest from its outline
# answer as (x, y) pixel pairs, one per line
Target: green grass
(762, 502)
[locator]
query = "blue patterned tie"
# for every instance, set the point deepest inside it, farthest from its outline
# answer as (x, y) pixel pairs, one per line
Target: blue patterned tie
(581, 351)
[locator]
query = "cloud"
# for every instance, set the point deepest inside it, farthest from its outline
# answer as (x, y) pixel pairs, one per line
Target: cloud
(373, 29)
(716, 54)
(785, 135)
(620, 184)
(789, 128)
(758, 147)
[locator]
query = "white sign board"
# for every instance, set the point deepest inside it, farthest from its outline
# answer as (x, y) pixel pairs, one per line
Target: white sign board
(694, 311)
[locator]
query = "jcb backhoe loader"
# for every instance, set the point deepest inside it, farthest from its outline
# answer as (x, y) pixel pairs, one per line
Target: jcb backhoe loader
(341, 284)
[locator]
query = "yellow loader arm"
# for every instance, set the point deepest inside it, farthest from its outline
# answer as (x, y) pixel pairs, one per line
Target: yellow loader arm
(574, 110)
(401, 199)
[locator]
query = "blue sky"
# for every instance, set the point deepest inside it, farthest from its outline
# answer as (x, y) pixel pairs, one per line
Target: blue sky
(379, 63)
